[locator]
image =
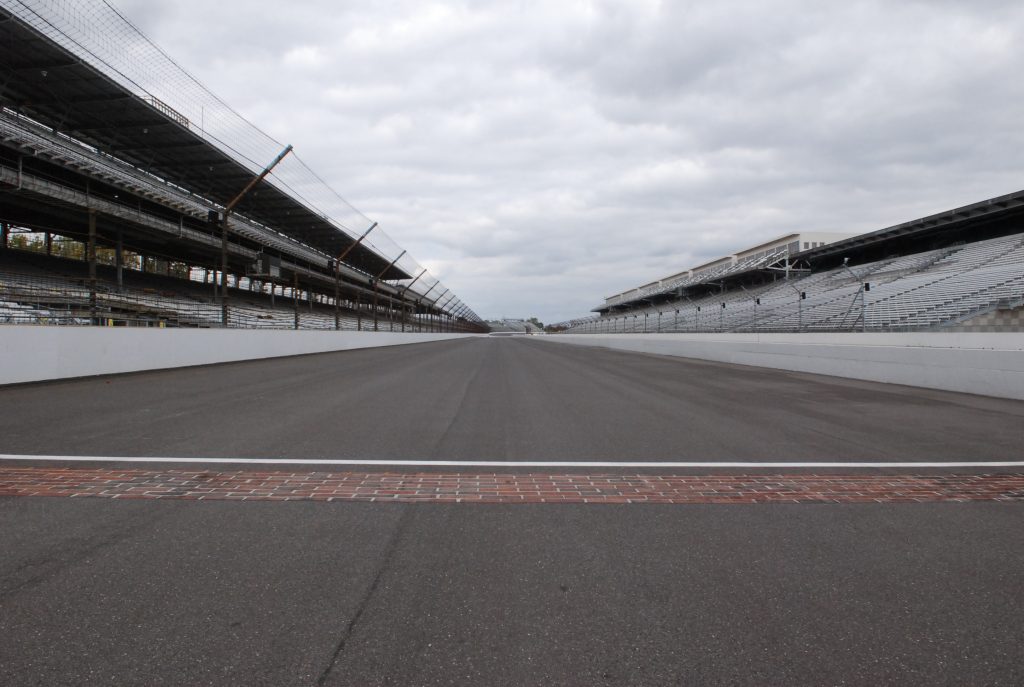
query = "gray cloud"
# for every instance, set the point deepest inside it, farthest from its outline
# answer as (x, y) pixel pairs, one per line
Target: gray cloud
(539, 156)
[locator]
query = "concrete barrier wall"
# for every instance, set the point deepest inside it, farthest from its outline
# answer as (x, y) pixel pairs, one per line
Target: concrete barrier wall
(30, 354)
(988, 364)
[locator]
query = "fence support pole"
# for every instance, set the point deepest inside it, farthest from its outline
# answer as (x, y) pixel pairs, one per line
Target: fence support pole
(224, 235)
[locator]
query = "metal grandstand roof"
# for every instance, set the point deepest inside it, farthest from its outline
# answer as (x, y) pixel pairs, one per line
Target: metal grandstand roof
(50, 84)
(668, 286)
(983, 212)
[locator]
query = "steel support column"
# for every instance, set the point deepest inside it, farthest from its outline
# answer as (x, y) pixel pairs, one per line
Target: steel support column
(295, 297)
(337, 305)
(91, 257)
(119, 259)
(374, 305)
(224, 271)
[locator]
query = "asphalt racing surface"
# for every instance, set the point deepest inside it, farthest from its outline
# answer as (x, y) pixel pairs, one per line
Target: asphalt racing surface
(179, 591)
(503, 399)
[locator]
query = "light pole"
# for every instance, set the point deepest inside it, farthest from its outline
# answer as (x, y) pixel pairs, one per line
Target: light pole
(864, 288)
(864, 305)
(801, 295)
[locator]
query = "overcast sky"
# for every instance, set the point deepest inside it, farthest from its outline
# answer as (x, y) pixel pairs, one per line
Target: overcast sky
(538, 157)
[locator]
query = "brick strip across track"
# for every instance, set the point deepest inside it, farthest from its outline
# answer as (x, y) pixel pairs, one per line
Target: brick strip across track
(505, 488)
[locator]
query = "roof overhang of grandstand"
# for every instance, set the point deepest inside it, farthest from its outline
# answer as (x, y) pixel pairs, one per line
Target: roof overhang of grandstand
(47, 83)
(710, 274)
(983, 219)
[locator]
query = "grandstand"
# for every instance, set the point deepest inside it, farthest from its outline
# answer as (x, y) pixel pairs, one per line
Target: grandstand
(134, 196)
(39, 290)
(961, 270)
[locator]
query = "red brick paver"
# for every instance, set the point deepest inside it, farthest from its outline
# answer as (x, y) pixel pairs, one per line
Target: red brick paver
(505, 488)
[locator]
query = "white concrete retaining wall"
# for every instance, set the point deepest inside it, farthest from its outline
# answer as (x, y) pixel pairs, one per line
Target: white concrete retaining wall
(988, 364)
(30, 354)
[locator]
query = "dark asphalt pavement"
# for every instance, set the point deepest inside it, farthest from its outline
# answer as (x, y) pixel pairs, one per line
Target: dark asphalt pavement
(503, 399)
(98, 591)
(105, 592)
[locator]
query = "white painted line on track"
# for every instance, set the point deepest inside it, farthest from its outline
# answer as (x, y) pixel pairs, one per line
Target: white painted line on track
(524, 463)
